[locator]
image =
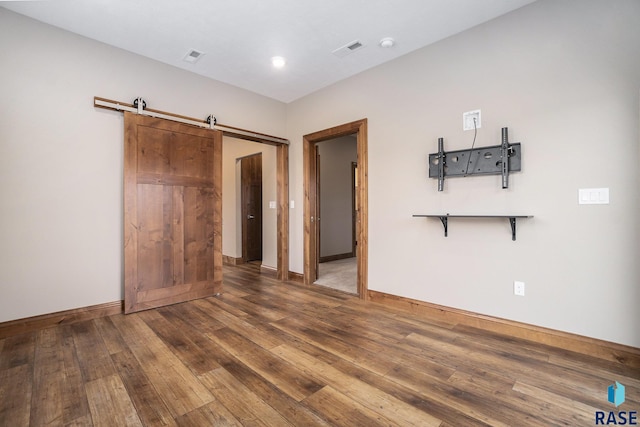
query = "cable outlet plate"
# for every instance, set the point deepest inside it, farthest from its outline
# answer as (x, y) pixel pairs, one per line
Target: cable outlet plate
(467, 120)
(518, 288)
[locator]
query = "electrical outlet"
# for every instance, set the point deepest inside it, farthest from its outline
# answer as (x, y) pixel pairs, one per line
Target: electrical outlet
(468, 120)
(518, 288)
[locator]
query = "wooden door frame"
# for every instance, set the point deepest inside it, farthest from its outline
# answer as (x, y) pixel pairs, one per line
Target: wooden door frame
(311, 255)
(354, 212)
(282, 201)
(282, 178)
(318, 205)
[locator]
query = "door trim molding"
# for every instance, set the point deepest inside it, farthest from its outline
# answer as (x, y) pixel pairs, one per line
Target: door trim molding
(358, 127)
(354, 209)
(282, 229)
(282, 214)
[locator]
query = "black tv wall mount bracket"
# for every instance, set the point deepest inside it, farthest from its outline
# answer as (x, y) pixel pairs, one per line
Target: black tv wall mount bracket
(493, 160)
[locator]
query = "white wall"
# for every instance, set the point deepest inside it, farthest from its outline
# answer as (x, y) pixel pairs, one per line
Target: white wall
(232, 150)
(564, 77)
(336, 205)
(61, 158)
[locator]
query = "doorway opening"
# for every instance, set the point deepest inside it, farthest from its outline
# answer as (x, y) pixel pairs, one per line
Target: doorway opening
(336, 220)
(251, 205)
(237, 224)
(312, 201)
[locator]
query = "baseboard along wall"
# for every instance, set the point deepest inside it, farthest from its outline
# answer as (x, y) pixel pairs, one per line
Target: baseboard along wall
(296, 277)
(268, 271)
(337, 257)
(614, 352)
(601, 349)
(35, 323)
(229, 260)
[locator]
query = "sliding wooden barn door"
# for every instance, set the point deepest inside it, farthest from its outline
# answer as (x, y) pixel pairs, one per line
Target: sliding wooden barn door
(172, 212)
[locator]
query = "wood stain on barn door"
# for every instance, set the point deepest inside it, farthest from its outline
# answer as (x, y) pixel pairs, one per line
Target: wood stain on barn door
(172, 212)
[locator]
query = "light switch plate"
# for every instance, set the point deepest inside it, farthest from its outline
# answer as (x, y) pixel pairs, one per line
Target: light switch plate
(593, 196)
(272, 204)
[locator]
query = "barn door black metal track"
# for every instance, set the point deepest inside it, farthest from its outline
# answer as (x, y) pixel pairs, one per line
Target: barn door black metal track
(139, 106)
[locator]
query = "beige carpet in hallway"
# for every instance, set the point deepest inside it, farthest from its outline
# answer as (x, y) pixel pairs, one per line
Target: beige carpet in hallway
(340, 275)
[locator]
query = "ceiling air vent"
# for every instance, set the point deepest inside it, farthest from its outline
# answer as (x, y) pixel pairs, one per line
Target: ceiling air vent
(193, 56)
(345, 50)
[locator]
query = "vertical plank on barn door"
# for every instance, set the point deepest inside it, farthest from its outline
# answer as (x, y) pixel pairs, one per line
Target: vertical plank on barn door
(172, 212)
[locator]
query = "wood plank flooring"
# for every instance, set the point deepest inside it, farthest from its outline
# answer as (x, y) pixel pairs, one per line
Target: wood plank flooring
(267, 353)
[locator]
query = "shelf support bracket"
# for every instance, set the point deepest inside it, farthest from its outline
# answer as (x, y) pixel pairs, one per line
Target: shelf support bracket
(445, 224)
(512, 221)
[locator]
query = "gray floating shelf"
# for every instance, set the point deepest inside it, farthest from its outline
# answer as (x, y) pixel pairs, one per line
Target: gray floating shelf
(444, 218)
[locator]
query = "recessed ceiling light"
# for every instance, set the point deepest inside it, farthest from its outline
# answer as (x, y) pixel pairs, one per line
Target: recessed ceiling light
(278, 61)
(387, 42)
(193, 56)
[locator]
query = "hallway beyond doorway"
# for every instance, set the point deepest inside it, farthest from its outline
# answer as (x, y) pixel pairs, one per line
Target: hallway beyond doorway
(340, 275)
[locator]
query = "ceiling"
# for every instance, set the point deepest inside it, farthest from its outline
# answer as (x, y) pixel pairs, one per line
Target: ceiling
(239, 38)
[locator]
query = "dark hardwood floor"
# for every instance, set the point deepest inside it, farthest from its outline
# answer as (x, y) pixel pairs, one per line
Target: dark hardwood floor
(267, 353)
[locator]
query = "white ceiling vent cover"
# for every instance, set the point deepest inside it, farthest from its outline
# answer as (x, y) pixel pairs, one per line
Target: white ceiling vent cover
(345, 50)
(193, 56)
